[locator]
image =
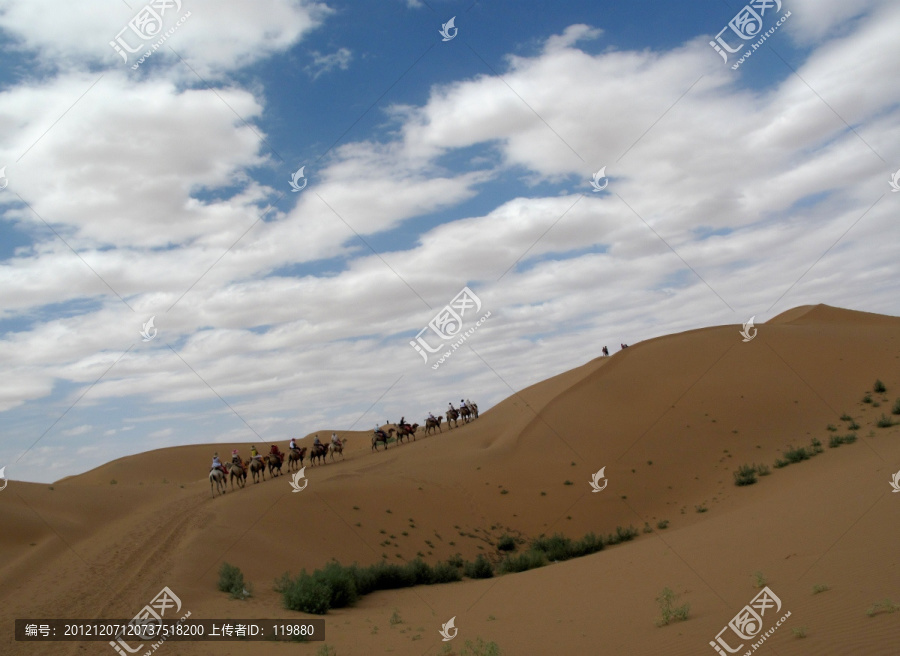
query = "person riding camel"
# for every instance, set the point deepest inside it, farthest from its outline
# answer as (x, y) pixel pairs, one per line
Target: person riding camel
(432, 417)
(254, 454)
(236, 459)
(380, 433)
(335, 440)
(217, 464)
(294, 444)
(463, 404)
(317, 442)
(452, 409)
(403, 423)
(274, 451)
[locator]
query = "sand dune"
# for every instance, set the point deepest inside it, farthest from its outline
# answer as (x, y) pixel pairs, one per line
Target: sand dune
(670, 419)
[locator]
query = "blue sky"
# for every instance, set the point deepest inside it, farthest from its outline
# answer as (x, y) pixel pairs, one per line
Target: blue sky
(430, 165)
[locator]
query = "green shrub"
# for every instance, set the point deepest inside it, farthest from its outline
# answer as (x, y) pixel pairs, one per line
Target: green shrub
(885, 422)
(668, 611)
(506, 543)
(896, 409)
(886, 606)
(456, 560)
(879, 387)
(308, 595)
(745, 475)
(590, 543)
(853, 426)
(820, 587)
(522, 562)
(480, 569)
(867, 398)
(556, 547)
(846, 417)
(780, 463)
(480, 648)
(341, 584)
(444, 573)
(762, 470)
(832, 428)
(231, 580)
(663, 523)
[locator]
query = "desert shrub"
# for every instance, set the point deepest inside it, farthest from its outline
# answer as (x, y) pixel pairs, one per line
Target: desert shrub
(837, 440)
(846, 417)
(832, 428)
(480, 569)
(886, 606)
(853, 426)
(762, 470)
(306, 594)
(445, 573)
(793, 455)
(780, 463)
(759, 580)
(506, 543)
(745, 475)
(480, 648)
(341, 584)
(456, 560)
(668, 611)
(885, 422)
(820, 587)
(522, 562)
(556, 547)
(590, 543)
(879, 387)
(231, 580)
(867, 398)
(663, 523)
(799, 632)
(896, 409)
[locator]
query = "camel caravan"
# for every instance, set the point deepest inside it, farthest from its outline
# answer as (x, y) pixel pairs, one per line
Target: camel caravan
(467, 411)
(220, 473)
(236, 471)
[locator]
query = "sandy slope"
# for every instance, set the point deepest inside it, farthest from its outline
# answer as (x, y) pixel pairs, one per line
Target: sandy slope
(696, 405)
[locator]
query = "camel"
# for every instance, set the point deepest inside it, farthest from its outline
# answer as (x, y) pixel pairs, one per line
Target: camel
(256, 466)
(274, 464)
(236, 472)
(465, 413)
(317, 451)
(475, 410)
(402, 432)
(337, 448)
(432, 424)
(452, 415)
(381, 437)
(218, 476)
(293, 456)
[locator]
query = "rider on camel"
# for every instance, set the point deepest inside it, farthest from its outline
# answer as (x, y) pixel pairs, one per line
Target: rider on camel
(335, 440)
(294, 444)
(380, 432)
(432, 417)
(403, 423)
(236, 459)
(274, 451)
(317, 442)
(216, 464)
(254, 454)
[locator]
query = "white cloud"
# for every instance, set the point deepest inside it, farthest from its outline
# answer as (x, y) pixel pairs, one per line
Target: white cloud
(326, 63)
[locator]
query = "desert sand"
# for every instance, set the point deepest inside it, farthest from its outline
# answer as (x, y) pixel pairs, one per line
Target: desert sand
(696, 405)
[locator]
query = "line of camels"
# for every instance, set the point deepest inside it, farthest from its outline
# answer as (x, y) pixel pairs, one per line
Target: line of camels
(218, 480)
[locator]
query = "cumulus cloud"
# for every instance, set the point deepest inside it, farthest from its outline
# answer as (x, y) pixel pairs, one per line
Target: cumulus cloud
(322, 64)
(720, 198)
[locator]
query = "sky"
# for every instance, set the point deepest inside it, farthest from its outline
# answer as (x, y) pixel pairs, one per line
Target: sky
(298, 216)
